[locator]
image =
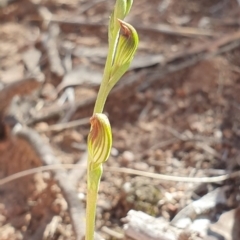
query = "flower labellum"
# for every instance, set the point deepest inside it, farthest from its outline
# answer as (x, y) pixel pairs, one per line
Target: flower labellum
(99, 140)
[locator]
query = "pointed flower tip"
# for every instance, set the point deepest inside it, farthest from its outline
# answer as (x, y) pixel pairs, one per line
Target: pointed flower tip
(99, 139)
(125, 29)
(128, 30)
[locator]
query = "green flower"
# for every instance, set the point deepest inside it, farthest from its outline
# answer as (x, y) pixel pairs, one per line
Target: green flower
(99, 140)
(125, 50)
(121, 9)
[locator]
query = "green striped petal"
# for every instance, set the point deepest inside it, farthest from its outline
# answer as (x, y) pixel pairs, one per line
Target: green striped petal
(125, 50)
(99, 140)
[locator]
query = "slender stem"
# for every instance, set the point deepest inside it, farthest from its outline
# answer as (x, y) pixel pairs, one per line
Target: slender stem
(101, 98)
(94, 177)
(104, 87)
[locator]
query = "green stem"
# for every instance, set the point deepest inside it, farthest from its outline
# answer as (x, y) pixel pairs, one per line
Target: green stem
(101, 98)
(104, 87)
(94, 177)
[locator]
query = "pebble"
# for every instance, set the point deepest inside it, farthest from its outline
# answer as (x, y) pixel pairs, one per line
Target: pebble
(114, 152)
(142, 166)
(200, 225)
(81, 196)
(128, 157)
(183, 223)
(127, 186)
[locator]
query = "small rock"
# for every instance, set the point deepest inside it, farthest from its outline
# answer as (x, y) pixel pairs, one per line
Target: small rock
(200, 225)
(142, 166)
(183, 223)
(41, 127)
(127, 157)
(114, 152)
(81, 196)
(104, 205)
(127, 187)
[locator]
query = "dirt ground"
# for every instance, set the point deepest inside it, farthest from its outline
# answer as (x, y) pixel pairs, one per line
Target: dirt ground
(176, 112)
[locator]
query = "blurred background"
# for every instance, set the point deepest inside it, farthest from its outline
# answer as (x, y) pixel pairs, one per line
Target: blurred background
(175, 112)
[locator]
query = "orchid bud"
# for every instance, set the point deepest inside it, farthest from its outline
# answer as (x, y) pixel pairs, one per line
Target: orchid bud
(125, 50)
(99, 140)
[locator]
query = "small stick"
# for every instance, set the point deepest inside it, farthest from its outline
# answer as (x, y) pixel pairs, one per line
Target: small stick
(62, 126)
(162, 177)
(112, 233)
(174, 178)
(158, 28)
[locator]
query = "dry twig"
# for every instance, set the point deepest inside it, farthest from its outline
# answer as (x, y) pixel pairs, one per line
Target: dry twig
(161, 177)
(173, 64)
(63, 126)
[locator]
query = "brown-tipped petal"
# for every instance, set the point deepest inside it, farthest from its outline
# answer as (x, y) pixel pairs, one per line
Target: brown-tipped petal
(125, 50)
(99, 139)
